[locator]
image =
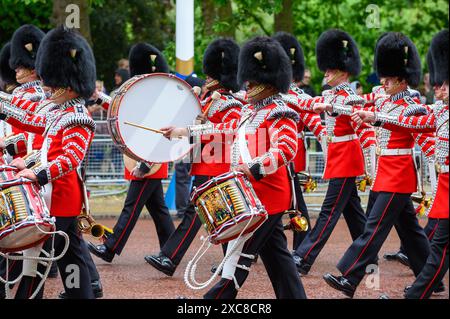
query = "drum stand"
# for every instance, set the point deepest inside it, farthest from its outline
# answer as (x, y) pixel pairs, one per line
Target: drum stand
(32, 261)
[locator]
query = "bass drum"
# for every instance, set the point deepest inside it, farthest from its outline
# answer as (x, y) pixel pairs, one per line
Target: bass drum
(152, 100)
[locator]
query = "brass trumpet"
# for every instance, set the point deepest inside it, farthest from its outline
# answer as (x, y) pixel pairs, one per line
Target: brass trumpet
(424, 203)
(88, 225)
(306, 181)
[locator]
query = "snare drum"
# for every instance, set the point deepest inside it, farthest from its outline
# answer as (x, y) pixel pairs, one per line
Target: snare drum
(228, 207)
(152, 100)
(23, 215)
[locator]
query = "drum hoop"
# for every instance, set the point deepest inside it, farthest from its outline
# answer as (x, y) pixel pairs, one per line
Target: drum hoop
(126, 86)
(213, 181)
(6, 232)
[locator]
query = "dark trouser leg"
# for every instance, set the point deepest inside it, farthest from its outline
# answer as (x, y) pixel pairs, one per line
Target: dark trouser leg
(182, 186)
(413, 238)
(160, 214)
(89, 262)
(365, 248)
(72, 266)
(371, 200)
(276, 255)
(354, 214)
(338, 194)
(14, 271)
(301, 206)
(178, 243)
(138, 194)
(431, 228)
(436, 266)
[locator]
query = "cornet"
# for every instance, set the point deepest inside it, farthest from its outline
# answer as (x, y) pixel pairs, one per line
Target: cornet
(298, 223)
(88, 225)
(309, 185)
(424, 203)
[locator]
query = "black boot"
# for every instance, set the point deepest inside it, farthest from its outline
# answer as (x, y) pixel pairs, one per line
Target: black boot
(101, 251)
(340, 283)
(161, 263)
(97, 289)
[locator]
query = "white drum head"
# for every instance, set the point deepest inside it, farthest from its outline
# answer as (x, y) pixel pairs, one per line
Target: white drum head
(157, 101)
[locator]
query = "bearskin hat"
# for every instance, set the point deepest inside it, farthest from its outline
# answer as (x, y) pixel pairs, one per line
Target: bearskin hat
(336, 49)
(439, 52)
(430, 64)
(7, 75)
(294, 50)
(145, 59)
(220, 62)
(396, 55)
(65, 60)
(24, 46)
(264, 61)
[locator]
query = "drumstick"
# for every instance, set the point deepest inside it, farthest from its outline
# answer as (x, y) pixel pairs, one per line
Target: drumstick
(144, 127)
(147, 128)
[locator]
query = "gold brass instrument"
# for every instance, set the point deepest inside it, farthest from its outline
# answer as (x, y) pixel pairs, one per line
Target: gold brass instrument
(298, 223)
(86, 223)
(363, 183)
(306, 181)
(424, 203)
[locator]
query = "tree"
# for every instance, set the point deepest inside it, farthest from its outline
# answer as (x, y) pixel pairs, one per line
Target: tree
(284, 20)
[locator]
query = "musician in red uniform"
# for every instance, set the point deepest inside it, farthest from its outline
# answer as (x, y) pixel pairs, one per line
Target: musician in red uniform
(66, 65)
(429, 279)
(220, 63)
(337, 56)
(144, 190)
(307, 119)
(398, 65)
(265, 144)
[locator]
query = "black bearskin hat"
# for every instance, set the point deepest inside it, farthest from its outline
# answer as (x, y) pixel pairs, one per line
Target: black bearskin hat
(264, 61)
(7, 75)
(24, 46)
(396, 55)
(430, 64)
(65, 60)
(220, 62)
(439, 52)
(294, 50)
(336, 49)
(145, 59)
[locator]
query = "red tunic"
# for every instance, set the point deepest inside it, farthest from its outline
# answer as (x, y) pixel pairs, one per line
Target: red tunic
(344, 136)
(308, 119)
(270, 134)
(70, 130)
(437, 121)
(396, 173)
(213, 160)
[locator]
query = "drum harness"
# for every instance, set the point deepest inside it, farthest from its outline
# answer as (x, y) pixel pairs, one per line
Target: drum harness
(30, 256)
(234, 250)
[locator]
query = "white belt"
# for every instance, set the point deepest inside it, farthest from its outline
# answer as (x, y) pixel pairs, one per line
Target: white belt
(441, 168)
(344, 138)
(394, 151)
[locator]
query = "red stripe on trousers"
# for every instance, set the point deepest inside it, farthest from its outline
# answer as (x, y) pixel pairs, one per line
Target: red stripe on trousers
(437, 272)
(223, 289)
(431, 235)
(371, 237)
(328, 221)
(131, 217)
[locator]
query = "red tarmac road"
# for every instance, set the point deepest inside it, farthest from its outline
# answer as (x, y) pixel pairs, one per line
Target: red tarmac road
(130, 277)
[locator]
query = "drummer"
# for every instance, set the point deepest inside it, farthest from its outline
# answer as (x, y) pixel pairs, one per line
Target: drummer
(69, 71)
(270, 132)
(145, 189)
(220, 63)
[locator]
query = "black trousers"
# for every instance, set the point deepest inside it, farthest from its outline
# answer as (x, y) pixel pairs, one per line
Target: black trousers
(429, 229)
(148, 192)
(436, 265)
(72, 266)
(341, 197)
(301, 206)
(182, 186)
(389, 209)
(270, 243)
(176, 246)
